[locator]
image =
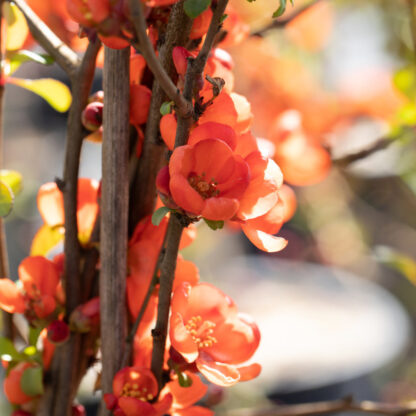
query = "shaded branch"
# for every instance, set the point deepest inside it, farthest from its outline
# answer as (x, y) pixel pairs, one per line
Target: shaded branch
(335, 406)
(146, 48)
(380, 144)
(64, 56)
(114, 213)
(7, 318)
(58, 396)
(167, 274)
(281, 23)
(144, 171)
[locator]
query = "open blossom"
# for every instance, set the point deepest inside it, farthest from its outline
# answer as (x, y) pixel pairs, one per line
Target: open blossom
(133, 390)
(207, 179)
(206, 328)
(39, 278)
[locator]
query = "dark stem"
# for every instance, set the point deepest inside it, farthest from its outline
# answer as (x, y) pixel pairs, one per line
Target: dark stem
(167, 274)
(7, 318)
(281, 23)
(160, 73)
(59, 393)
(114, 213)
(143, 188)
(334, 406)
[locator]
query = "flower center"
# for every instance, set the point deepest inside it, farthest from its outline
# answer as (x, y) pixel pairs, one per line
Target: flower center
(133, 390)
(201, 331)
(205, 188)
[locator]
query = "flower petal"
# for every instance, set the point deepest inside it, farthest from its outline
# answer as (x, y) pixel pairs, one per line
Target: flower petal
(181, 339)
(221, 374)
(11, 300)
(264, 241)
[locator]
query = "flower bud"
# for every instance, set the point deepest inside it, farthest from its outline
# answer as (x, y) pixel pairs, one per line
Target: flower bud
(86, 316)
(78, 410)
(92, 116)
(58, 332)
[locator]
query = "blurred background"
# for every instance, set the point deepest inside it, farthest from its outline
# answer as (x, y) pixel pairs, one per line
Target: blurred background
(333, 91)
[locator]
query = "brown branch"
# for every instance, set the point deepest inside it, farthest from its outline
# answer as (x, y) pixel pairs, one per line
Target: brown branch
(64, 56)
(335, 406)
(177, 222)
(59, 393)
(143, 188)
(380, 144)
(7, 318)
(167, 274)
(281, 23)
(146, 48)
(114, 213)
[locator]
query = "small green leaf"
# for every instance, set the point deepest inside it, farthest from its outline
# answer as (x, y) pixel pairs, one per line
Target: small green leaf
(398, 261)
(223, 17)
(405, 81)
(184, 380)
(31, 381)
(30, 351)
(6, 199)
(34, 335)
(166, 108)
(159, 214)
(282, 8)
(193, 8)
(407, 114)
(7, 348)
(214, 225)
(13, 179)
(19, 57)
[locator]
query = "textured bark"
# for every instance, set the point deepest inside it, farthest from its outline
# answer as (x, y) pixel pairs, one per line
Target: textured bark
(114, 213)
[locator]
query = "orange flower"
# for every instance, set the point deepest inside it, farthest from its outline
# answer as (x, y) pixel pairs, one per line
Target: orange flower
(39, 277)
(51, 206)
(185, 397)
(206, 328)
(133, 389)
(206, 179)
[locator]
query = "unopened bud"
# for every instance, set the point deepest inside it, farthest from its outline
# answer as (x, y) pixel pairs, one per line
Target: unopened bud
(78, 410)
(92, 116)
(58, 332)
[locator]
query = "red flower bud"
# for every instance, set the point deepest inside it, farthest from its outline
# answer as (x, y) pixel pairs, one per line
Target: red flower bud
(58, 332)
(78, 410)
(92, 116)
(86, 316)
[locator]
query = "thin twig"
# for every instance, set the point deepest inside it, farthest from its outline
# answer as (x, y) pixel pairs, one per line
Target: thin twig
(7, 318)
(380, 144)
(167, 274)
(146, 48)
(64, 56)
(145, 169)
(325, 407)
(281, 23)
(58, 396)
(177, 222)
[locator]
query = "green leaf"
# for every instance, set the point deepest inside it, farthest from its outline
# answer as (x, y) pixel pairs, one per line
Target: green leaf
(31, 381)
(159, 214)
(282, 8)
(53, 91)
(405, 81)
(19, 57)
(398, 261)
(166, 108)
(7, 348)
(34, 335)
(214, 225)
(6, 199)
(407, 114)
(13, 179)
(193, 8)
(184, 380)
